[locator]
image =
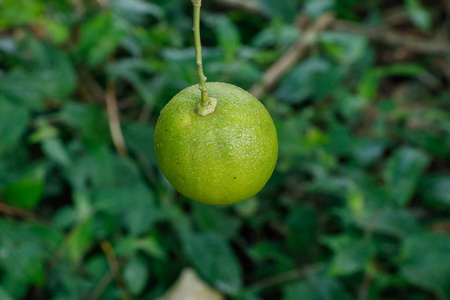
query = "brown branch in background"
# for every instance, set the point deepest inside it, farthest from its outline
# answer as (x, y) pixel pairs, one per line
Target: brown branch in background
(282, 278)
(433, 46)
(144, 116)
(309, 38)
(90, 89)
(386, 36)
(78, 7)
(291, 57)
(248, 5)
(17, 212)
(444, 65)
(364, 289)
(114, 120)
(114, 267)
(101, 286)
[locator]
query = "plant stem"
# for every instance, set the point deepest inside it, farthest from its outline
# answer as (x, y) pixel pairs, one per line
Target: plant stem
(198, 50)
(207, 105)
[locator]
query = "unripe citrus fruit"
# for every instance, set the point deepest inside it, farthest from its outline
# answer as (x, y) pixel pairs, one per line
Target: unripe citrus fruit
(222, 158)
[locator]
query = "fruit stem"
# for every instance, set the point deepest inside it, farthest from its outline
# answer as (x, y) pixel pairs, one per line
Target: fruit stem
(207, 105)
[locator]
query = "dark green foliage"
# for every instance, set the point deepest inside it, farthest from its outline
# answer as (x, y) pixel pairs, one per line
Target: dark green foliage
(358, 206)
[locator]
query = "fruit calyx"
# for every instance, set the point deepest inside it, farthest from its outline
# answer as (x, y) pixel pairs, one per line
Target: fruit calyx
(206, 108)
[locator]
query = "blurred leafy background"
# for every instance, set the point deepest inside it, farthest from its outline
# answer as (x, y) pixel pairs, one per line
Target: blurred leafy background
(358, 206)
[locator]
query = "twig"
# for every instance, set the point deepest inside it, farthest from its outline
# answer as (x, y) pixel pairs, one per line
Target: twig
(291, 57)
(387, 36)
(17, 212)
(309, 38)
(103, 4)
(114, 267)
(283, 278)
(114, 120)
(126, 103)
(101, 286)
(248, 5)
(91, 86)
(144, 116)
(433, 46)
(363, 292)
(78, 7)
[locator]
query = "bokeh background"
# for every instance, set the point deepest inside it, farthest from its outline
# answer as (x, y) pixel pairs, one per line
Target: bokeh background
(357, 208)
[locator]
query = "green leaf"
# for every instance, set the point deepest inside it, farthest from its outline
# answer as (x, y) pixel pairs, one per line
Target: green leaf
(65, 217)
(135, 10)
(97, 266)
(19, 87)
(139, 138)
(313, 78)
(135, 205)
(14, 13)
(350, 254)
(367, 152)
(396, 222)
(347, 48)
(97, 168)
(46, 74)
(356, 200)
(14, 286)
(425, 262)
(58, 32)
(26, 192)
(101, 36)
(419, 15)
(4, 294)
(275, 35)
(136, 275)
(43, 131)
(435, 190)
(214, 260)
(341, 141)
(80, 241)
(281, 8)
(82, 204)
(151, 246)
(298, 290)
(316, 287)
(265, 252)
(14, 122)
(211, 218)
(25, 264)
(302, 223)
(24, 247)
(8, 45)
(402, 173)
(89, 120)
(247, 208)
(135, 71)
(368, 87)
(55, 151)
(228, 37)
(51, 72)
(315, 8)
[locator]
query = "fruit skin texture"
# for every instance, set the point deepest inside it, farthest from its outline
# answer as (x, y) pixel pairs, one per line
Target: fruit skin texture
(222, 158)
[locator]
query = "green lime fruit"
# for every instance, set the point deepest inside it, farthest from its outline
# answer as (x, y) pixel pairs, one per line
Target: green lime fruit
(220, 159)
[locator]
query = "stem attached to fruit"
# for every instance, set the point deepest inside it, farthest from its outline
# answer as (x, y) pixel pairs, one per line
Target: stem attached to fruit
(207, 105)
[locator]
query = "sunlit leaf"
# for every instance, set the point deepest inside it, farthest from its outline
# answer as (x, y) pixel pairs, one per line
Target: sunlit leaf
(28, 191)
